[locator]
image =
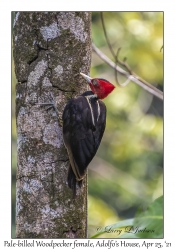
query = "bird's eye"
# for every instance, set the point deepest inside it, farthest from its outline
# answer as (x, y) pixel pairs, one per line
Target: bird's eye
(95, 82)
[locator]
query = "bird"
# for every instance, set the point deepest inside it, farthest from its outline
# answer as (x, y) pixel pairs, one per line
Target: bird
(84, 122)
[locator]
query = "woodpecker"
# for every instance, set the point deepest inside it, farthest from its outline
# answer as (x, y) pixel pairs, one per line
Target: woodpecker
(84, 121)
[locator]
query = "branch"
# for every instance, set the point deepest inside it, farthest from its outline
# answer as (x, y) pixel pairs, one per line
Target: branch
(134, 78)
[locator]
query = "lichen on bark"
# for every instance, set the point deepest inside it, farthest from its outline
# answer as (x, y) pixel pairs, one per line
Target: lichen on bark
(50, 49)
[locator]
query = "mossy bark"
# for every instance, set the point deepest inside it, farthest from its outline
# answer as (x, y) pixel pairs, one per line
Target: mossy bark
(50, 49)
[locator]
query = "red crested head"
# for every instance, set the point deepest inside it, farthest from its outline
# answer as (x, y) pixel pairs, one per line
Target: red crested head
(101, 87)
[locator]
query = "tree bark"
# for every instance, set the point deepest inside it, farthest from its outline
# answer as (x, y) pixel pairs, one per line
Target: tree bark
(50, 49)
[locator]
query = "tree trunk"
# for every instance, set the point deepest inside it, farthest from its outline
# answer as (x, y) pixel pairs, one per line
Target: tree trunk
(50, 49)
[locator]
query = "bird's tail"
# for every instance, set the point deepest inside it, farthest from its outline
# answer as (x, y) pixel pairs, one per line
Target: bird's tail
(71, 179)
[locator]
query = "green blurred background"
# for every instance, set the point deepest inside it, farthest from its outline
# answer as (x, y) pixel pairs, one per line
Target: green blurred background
(126, 173)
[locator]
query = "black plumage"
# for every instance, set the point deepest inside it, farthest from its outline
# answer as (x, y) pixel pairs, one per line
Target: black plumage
(84, 120)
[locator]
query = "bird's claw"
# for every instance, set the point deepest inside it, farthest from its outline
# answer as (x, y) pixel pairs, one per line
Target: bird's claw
(51, 104)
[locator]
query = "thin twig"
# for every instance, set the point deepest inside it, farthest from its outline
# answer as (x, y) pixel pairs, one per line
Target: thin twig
(134, 78)
(117, 61)
(105, 33)
(125, 65)
(116, 76)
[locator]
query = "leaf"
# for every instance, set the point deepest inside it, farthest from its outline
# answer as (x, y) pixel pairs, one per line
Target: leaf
(113, 227)
(148, 224)
(128, 236)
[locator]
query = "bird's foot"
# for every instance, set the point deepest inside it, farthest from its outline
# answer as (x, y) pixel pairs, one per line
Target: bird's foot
(51, 105)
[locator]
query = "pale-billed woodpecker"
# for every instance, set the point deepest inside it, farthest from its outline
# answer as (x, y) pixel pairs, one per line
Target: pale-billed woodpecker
(84, 121)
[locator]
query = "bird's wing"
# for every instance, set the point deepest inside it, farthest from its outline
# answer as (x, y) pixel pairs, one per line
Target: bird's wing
(82, 135)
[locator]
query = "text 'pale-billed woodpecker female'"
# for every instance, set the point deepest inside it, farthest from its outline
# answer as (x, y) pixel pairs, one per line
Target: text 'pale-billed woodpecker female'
(84, 121)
